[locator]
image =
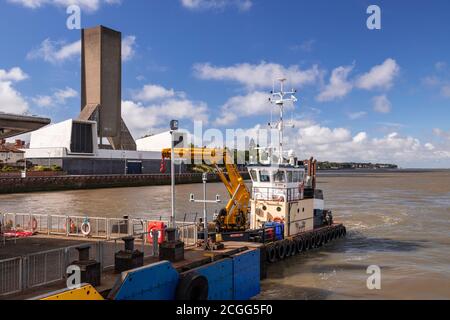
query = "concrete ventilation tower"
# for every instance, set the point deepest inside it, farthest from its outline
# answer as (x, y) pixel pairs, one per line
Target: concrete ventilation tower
(101, 86)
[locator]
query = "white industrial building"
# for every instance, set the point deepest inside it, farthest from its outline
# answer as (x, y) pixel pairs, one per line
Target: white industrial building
(73, 145)
(163, 140)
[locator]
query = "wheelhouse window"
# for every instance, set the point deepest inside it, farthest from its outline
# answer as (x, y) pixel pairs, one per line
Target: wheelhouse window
(302, 176)
(264, 176)
(254, 175)
(279, 176)
(290, 176)
(296, 177)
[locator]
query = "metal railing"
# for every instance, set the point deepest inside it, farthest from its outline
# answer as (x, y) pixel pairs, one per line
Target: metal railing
(188, 233)
(11, 276)
(49, 267)
(44, 267)
(72, 225)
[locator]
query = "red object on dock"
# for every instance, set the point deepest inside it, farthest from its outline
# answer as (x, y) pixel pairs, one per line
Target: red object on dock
(18, 234)
(156, 225)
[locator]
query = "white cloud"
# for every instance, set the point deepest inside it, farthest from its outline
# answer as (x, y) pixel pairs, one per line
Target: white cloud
(59, 51)
(43, 101)
(318, 135)
(254, 103)
(153, 92)
(440, 65)
(429, 146)
(309, 138)
(431, 81)
(88, 5)
(439, 81)
(154, 107)
(356, 115)
(380, 76)
(128, 47)
(62, 94)
(59, 97)
(339, 86)
(360, 137)
(258, 75)
(441, 133)
(242, 5)
(263, 75)
(338, 144)
(55, 52)
(11, 101)
(381, 104)
(14, 74)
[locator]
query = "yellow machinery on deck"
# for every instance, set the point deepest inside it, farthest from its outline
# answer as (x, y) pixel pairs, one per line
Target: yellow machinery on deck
(85, 292)
(235, 214)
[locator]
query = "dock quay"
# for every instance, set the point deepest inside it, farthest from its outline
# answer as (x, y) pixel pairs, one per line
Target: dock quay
(17, 184)
(31, 243)
(37, 265)
(44, 271)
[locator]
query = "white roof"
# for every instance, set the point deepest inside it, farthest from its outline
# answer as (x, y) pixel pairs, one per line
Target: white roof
(161, 141)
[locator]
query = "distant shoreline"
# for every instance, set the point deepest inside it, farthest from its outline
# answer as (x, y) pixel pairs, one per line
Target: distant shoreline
(342, 172)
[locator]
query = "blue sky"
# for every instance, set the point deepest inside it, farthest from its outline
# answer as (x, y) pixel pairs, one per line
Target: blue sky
(365, 95)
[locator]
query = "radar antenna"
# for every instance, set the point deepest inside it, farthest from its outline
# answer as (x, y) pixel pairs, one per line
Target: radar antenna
(279, 99)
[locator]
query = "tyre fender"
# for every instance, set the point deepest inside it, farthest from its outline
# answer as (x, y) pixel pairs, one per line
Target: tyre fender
(192, 286)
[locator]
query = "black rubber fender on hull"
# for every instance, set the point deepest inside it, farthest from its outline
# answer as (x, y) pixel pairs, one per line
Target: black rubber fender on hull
(283, 249)
(192, 286)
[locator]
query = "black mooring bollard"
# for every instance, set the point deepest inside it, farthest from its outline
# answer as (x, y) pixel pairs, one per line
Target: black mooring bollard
(171, 234)
(129, 243)
(171, 249)
(129, 258)
(90, 269)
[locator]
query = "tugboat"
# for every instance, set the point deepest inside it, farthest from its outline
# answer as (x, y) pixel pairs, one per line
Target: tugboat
(284, 210)
(285, 197)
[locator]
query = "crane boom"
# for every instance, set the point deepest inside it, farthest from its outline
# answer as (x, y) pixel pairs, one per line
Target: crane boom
(235, 214)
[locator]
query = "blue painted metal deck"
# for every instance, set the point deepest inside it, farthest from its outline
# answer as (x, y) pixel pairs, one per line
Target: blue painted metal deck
(233, 278)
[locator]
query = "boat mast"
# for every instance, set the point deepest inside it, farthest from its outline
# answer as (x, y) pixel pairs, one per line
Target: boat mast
(279, 99)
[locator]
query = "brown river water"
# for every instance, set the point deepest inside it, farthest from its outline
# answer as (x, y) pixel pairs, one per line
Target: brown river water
(399, 221)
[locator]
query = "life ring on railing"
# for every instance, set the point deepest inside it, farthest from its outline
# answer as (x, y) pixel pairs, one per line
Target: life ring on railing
(86, 228)
(72, 226)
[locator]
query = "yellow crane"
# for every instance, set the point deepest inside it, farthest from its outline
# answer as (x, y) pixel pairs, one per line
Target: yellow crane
(235, 214)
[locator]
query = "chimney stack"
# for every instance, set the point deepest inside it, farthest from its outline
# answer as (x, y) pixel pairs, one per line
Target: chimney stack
(101, 85)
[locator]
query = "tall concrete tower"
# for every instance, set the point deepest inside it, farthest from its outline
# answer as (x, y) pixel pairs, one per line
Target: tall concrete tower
(101, 85)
